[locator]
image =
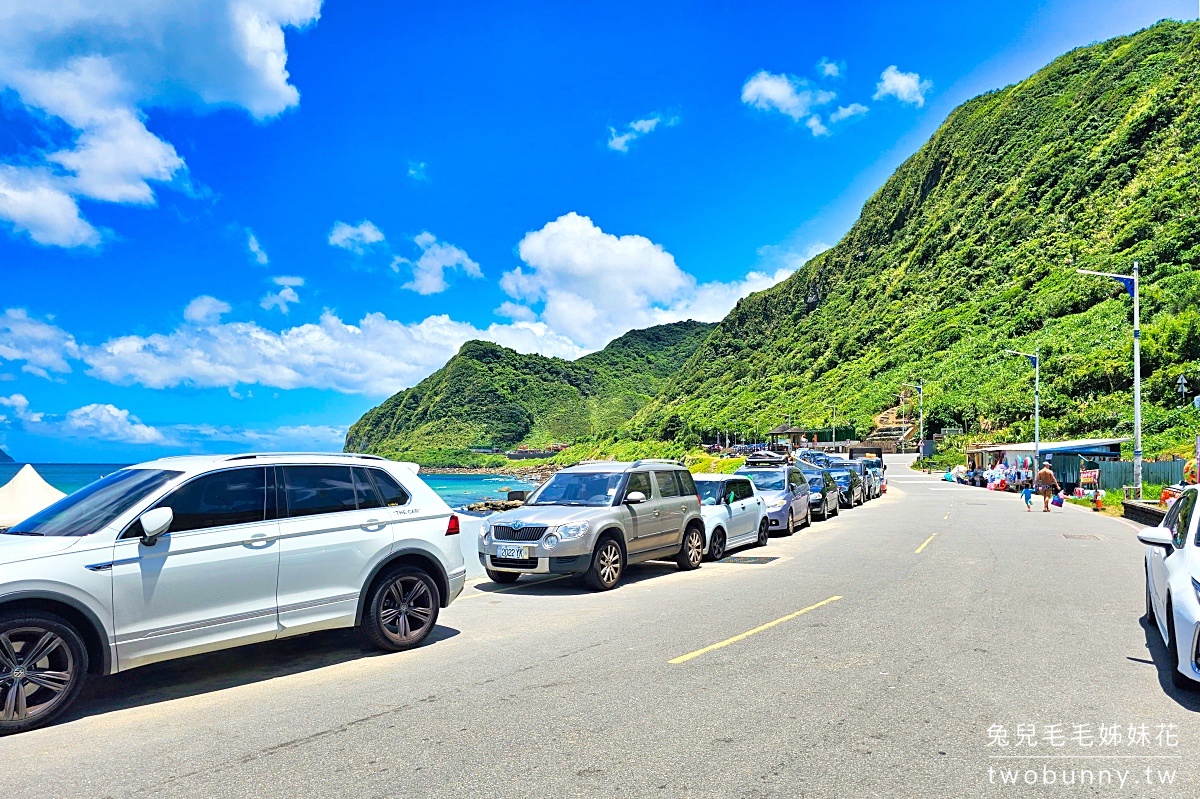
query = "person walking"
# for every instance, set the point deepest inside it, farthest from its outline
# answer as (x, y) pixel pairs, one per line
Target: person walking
(1047, 485)
(1027, 495)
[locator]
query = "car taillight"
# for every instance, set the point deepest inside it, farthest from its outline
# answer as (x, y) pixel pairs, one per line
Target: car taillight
(698, 499)
(453, 527)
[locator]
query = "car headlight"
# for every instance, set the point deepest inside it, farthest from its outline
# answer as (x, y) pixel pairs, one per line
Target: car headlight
(776, 504)
(573, 530)
(550, 542)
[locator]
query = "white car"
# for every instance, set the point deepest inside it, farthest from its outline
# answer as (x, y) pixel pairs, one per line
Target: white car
(185, 555)
(734, 513)
(1172, 590)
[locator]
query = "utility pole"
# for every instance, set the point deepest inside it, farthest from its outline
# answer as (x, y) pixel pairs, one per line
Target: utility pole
(1131, 285)
(1037, 416)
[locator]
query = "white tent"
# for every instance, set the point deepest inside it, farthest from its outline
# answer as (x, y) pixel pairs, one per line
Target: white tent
(24, 495)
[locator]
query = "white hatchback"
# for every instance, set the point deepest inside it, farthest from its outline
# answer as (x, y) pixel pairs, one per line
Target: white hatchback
(1172, 588)
(734, 514)
(186, 555)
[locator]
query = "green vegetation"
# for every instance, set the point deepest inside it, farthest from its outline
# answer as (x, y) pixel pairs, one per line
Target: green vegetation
(490, 396)
(971, 247)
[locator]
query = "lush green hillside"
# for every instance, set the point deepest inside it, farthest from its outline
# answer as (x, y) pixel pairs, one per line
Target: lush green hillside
(488, 395)
(971, 247)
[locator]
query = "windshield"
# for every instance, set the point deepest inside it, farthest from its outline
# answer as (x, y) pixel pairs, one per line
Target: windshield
(709, 491)
(95, 505)
(841, 476)
(578, 488)
(766, 481)
(815, 479)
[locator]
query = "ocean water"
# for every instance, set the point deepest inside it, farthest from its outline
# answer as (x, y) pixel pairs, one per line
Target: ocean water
(458, 490)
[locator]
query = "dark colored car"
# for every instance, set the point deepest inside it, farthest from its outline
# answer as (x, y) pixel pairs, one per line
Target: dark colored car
(871, 489)
(850, 486)
(823, 493)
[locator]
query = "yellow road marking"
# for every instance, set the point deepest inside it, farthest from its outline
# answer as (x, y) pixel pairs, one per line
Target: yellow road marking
(748, 633)
(947, 516)
(927, 540)
(511, 588)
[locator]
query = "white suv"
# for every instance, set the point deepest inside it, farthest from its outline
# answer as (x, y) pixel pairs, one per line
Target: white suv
(185, 555)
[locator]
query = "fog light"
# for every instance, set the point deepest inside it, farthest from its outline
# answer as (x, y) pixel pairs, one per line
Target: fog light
(551, 541)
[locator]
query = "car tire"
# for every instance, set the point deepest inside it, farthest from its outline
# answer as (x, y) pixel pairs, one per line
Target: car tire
(1178, 679)
(1149, 602)
(764, 533)
(791, 525)
(608, 565)
(46, 663)
(402, 609)
(502, 577)
(837, 508)
(807, 517)
(691, 549)
(716, 545)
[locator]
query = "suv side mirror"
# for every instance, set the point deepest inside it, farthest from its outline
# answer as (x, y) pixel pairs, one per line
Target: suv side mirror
(154, 523)
(635, 498)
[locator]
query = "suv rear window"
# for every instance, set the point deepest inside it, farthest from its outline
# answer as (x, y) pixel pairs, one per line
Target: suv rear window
(668, 486)
(312, 490)
(686, 481)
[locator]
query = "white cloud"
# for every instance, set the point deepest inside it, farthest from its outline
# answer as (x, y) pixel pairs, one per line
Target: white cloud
(429, 271)
(594, 286)
(42, 347)
(817, 127)
(907, 87)
(108, 423)
(260, 255)
(416, 170)
(355, 238)
(20, 409)
(284, 438)
(205, 309)
(787, 94)
(286, 294)
(635, 130)
(848, 111)
(829, 69)
(98, 68)
(516, 311)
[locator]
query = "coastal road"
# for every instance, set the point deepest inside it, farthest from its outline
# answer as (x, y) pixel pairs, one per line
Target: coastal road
(888, 652)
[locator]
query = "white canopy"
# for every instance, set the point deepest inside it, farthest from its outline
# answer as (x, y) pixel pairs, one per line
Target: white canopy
(24, 495)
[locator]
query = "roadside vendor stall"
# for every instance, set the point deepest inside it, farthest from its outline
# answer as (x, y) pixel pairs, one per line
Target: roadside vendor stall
(1017, 463)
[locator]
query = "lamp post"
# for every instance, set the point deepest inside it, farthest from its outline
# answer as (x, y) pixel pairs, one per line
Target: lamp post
(1037, 416)
(1130, 282)
(921, 404)
(832, 423)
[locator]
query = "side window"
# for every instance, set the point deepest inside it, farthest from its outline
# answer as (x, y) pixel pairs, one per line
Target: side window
(364, 492)
(234, 496)
(639, 481)
(1183, 521)
(312, 490)
(667, 485)
(742, 489)
(687, 483)
(392, 492)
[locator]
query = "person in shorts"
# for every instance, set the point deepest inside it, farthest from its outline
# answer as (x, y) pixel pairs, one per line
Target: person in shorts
(1047, 485)
(1027, 495)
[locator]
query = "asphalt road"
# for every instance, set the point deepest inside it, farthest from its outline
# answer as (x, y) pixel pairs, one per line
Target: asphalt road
(948, 612)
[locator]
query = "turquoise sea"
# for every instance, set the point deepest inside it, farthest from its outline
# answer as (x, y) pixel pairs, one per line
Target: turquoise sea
(458, 490)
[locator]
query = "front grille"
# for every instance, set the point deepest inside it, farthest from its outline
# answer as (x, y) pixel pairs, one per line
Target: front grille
(514, 563)
(505, 533)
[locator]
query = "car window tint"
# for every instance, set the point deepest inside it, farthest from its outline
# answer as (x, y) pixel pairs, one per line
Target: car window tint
(638, 481)
(364, 492)
(1183, 520)
(667, 485)
(234, 496)
(312, 490)
(742, 489)
(392, 492)
(686, 481)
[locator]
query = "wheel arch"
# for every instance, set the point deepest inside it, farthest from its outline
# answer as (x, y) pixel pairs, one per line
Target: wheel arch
(78, 615)
(409, 556)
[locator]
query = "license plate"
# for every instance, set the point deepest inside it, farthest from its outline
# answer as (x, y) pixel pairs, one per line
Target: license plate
(519, 553)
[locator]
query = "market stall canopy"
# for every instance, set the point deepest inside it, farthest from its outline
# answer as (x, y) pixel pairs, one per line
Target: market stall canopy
(1090, 447)
(24, 495)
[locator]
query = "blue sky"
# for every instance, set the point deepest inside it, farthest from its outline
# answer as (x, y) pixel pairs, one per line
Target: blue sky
(238, 226)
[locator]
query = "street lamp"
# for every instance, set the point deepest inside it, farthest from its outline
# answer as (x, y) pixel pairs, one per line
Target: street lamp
(1130, 282)
(1037, 390)
(832, 423)
(921, 402)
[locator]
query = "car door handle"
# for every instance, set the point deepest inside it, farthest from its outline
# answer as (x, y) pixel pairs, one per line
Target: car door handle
(372, 525)
(259, 541)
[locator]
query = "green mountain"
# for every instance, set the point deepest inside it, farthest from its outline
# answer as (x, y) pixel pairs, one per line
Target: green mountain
(488, 395)
(971, 247)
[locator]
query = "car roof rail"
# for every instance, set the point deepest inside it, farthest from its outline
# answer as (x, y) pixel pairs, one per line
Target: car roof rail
(253, 455)
(673, 462)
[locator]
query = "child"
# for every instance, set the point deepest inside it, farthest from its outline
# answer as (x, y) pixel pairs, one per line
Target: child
(1027, 495)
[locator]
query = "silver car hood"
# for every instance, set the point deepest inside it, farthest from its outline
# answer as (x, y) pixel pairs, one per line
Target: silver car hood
(14, 548)
(549, 515)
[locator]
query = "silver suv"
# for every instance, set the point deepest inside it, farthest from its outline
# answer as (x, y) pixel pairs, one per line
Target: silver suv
(596, 518)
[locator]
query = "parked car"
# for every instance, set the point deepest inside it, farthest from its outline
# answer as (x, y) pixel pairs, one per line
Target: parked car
(596, 518)
(186, 555)
(850, 486)
(786, 493)
(1172, 558)
(880, 479)
(823, 493)
(871, 488)
(734, 514)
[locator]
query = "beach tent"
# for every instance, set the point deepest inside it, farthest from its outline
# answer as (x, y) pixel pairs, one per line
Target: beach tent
(24, 495)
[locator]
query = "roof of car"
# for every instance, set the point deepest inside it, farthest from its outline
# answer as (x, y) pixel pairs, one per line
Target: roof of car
(712, 476)
(192, 463)
(622, 466)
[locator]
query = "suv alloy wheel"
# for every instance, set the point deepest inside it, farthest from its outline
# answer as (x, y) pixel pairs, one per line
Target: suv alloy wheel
(403, 609)
(691, 550)
(608, 564)
(43, 661)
